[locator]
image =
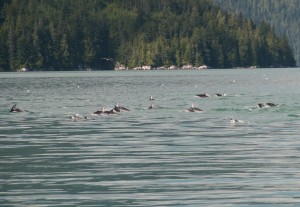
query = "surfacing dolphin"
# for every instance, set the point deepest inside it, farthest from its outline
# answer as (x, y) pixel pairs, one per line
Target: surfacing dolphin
(15, 109)
(119, 108)
(194, 109)
(103, 111)
(203, 95)
(266, 105)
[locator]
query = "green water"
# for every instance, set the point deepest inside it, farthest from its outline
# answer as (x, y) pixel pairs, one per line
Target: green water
(161, 157)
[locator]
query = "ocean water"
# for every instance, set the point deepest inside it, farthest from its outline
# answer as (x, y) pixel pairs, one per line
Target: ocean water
(160, 157)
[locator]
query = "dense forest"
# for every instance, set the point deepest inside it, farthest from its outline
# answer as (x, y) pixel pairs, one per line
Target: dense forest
(283, 15)
(80, 34)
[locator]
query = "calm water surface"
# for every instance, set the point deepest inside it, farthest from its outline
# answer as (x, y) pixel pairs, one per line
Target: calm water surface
(160, 157)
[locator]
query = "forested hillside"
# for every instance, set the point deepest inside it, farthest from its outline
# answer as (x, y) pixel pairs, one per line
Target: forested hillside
(78, 34)
(283, 15)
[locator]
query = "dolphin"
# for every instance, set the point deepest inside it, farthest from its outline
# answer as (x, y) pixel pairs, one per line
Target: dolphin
(15, 109)
(119, 108)
(203, 95)
(103, 111)
(194, 109)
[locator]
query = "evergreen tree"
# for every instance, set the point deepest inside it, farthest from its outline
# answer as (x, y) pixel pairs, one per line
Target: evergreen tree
(70, 35)
(283, 15)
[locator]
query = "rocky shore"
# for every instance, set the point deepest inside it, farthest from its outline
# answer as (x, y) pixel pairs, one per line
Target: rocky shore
(172, 67)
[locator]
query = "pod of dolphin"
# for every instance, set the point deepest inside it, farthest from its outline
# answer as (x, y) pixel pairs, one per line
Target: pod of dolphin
(118, 108)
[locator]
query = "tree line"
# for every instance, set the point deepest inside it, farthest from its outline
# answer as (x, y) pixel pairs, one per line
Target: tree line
(81, 34)
(282, 15)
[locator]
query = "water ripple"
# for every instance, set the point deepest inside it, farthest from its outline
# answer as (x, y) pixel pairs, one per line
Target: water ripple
(164, 157)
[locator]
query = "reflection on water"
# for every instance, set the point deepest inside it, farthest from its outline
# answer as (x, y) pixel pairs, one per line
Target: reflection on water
(161, 157)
